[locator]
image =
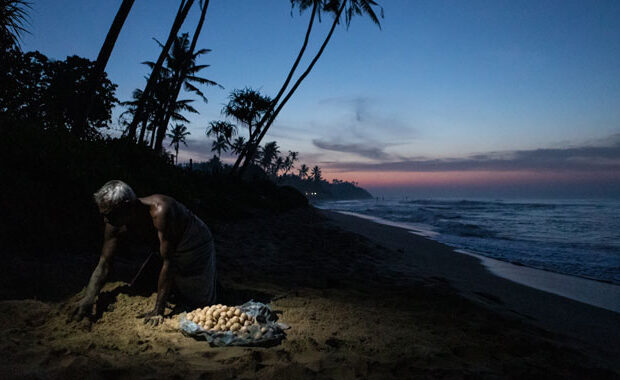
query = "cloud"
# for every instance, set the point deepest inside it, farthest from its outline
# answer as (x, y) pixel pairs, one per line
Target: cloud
(365, 119)
(375, 153)
(577, 158)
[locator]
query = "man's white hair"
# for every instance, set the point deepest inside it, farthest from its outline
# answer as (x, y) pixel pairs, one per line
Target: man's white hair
(114, 193)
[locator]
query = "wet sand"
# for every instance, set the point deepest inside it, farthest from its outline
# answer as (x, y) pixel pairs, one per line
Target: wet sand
(587, 325)
(363, 301)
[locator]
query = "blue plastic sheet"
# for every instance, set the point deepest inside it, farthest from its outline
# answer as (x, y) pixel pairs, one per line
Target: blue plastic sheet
(266, 320)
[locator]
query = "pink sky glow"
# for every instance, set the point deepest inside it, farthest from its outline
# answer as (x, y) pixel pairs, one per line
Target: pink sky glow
(468, 178)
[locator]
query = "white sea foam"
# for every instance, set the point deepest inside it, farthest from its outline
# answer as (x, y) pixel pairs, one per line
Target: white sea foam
(578, 238)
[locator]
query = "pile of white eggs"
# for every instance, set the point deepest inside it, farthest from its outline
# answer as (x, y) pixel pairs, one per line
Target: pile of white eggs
(223, 318)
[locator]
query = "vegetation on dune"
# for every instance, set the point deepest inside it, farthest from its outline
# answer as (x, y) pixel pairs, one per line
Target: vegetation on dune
(49, 178)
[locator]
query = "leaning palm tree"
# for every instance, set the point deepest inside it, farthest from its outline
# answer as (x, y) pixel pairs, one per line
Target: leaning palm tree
(188, 69)
(350, 8)
(303, 171)
(13, 18)
(177, 134)
(303, 5)
(104, 55)
(182, 12)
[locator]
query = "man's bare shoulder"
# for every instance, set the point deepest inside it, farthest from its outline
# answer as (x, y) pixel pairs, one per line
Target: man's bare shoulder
(163, 208)
(158, 203)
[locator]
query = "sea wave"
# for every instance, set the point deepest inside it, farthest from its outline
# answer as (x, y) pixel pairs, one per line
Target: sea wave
(571, 237)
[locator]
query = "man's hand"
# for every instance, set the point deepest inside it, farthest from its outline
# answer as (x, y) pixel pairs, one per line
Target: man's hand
(83, 309)
(152, 318)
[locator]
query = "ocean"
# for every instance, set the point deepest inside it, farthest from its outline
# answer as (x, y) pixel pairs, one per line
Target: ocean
(573, 237)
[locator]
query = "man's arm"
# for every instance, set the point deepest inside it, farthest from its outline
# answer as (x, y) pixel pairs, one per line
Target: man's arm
(97, 279)
(167, 245)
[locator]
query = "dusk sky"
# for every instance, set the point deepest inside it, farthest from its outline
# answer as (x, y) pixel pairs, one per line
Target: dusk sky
(449, 98)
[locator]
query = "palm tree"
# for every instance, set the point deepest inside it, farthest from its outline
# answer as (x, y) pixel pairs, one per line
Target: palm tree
(269, 152)
(153, 108)
(104, 55)
(336, 7)
(177, 134)
(180, 68)
(316, 174)
(219, 145)
(13, 17)
(187, 68)
(223, 132)
(303, 171)
(303, 5)
(277, 165)
(238, 145)
(185, 76)
(289, 161)
(182, 12)
(247, 106)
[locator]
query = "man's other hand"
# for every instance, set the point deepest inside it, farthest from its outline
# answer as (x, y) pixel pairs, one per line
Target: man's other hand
(152, 318)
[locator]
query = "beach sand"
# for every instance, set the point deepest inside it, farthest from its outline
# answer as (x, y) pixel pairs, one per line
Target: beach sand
(363, 301)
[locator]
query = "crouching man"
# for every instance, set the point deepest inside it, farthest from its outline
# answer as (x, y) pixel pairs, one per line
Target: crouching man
(185, 245)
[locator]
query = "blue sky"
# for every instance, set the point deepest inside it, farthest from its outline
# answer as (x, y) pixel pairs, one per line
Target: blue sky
(442, 80)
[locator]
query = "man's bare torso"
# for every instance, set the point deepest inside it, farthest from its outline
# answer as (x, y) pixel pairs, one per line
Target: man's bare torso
(161, 212)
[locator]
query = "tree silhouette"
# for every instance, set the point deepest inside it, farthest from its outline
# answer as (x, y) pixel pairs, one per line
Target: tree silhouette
(104, 54)
(182, 12)
(223, 132)
(220, 145)
(238, 145)
(50, 93)
(303, 171)
(186, 72)
(181, 67)
(177, 134)
(248, 107)
(153, 107)
(335, 7)
(13, 17)
(289, 161)
(268, 154)
(316, 174)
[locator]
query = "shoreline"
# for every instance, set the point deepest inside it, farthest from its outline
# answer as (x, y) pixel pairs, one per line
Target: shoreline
(594, 292)
(590, 327)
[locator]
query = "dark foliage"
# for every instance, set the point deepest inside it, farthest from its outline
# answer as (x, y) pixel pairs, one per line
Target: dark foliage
(48, 178)
(35, 89)
(322, 190)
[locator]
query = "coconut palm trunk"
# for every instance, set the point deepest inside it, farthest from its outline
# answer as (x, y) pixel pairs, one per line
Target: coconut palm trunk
(176, 25)
(161, 133)
(104, 56)
(272, 117)
(282, 89)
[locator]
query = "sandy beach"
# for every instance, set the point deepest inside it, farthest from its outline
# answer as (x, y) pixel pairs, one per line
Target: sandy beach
(363, 300)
